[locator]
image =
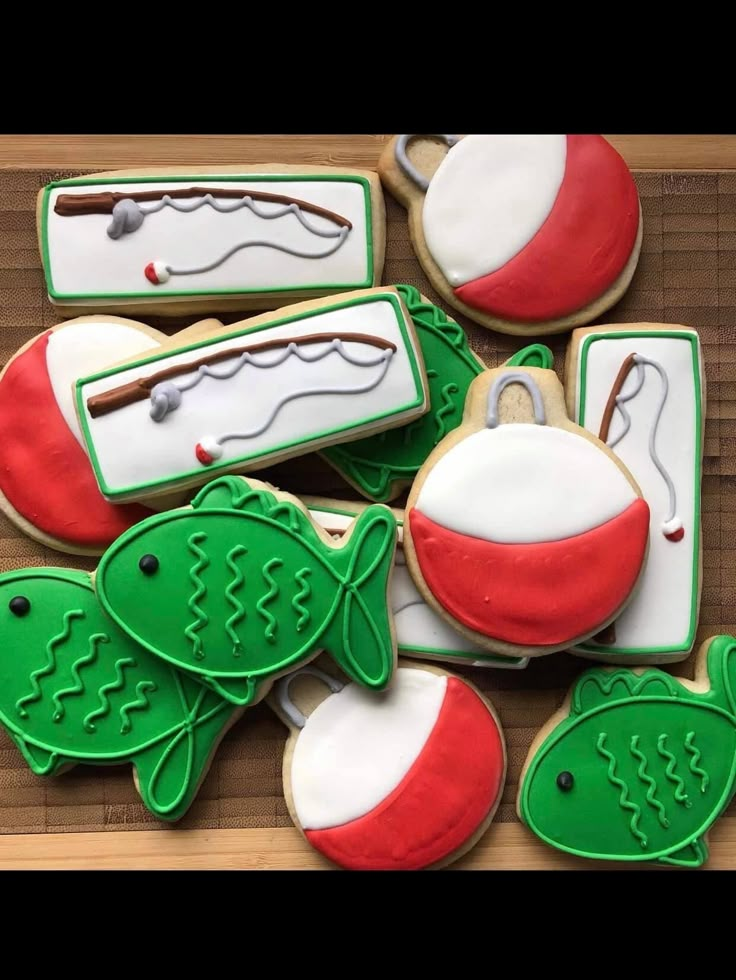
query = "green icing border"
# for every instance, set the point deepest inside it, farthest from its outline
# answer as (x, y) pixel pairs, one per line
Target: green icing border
(230, 464)
(582, 361)
(225, 178)
(489, 658)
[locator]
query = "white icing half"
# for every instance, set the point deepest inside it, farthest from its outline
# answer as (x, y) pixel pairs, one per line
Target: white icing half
(659, 613)
(488, 199)
(524, 483)
(84, 260)
(131, 450)
(358, 745)
(83, 348)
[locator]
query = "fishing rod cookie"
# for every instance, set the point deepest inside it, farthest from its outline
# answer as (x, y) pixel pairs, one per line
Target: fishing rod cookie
(641, 388)
(75, 690)
(381, 466)
(262, 390)
(398, 781)
(172, 241)
(528, 235)
(243, 586)
(420, 632)
(637, 765)
(522, 530)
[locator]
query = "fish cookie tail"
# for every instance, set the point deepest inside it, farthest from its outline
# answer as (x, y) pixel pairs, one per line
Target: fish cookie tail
(169, 773)
(360, 638)
(721, 665)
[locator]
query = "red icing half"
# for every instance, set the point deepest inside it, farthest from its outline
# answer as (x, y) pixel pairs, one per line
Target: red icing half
(44, 472)
(533, 594)
(580, 250)
(438, 805)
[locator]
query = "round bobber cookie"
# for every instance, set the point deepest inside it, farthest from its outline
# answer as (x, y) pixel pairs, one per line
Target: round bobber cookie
(47, 484)
(523, 234)
(400, 780)
(522, 530)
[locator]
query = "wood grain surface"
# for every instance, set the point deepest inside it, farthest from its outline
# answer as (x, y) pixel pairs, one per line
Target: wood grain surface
(687, 274)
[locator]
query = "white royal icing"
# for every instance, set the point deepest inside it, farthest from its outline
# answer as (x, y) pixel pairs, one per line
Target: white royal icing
(358, 745)
(524, 483)
(488, 199)
(83, 348)
(84, 260)
(330, 395)
(659, 614)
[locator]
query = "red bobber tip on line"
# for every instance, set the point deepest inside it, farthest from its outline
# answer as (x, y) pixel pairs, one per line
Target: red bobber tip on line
(208, 450)
(157, 273)
(673, 529)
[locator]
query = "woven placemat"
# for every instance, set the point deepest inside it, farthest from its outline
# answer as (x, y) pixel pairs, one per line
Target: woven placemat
(687, 274)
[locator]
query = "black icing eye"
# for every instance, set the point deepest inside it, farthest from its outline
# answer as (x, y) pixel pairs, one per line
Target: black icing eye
(565, 781)
(148, 564)
(19, 605)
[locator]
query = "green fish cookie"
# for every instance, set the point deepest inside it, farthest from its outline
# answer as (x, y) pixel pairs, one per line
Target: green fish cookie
(637, 765)
(75, 689)
(242, 587)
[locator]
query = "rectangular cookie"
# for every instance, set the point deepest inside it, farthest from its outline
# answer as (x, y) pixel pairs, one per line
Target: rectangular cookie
(419, 630)
(640, 387)
(172, 241)
(262, 390)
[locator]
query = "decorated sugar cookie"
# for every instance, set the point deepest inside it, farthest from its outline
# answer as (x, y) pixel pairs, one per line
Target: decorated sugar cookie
(420, 632)
(262, 390)
(640, 387)
(381, 466)
(524, 234)
(402, 780)
(170, 241)
(637, 765)
(74, 689)
(523, 530)
(47, 486)
(243, 586)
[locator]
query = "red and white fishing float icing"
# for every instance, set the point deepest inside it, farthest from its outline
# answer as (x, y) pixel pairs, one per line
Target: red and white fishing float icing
(45, 474)
(398, 780)
(528, 533)
(528, 228)
(157, 273)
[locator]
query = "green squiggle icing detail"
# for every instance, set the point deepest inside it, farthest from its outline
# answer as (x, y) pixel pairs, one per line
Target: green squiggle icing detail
(447, 408)
(116, 685)
(50, 665)
(680, 794)
(78, 686)
(233, 585)
(623, 800)
(139, 704)
(695, 769)
(304, 593)
(273, 592)
(649, 780)
(200, 616)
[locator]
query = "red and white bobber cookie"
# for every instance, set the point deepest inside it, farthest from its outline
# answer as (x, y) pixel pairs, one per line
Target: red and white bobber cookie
(524, 531)
(524, 234)
(403, 779)
(47, 484)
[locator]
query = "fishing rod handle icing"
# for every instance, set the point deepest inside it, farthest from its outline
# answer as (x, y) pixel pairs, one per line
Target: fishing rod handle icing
(281, 692)
(405, 163)
(514, 378)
